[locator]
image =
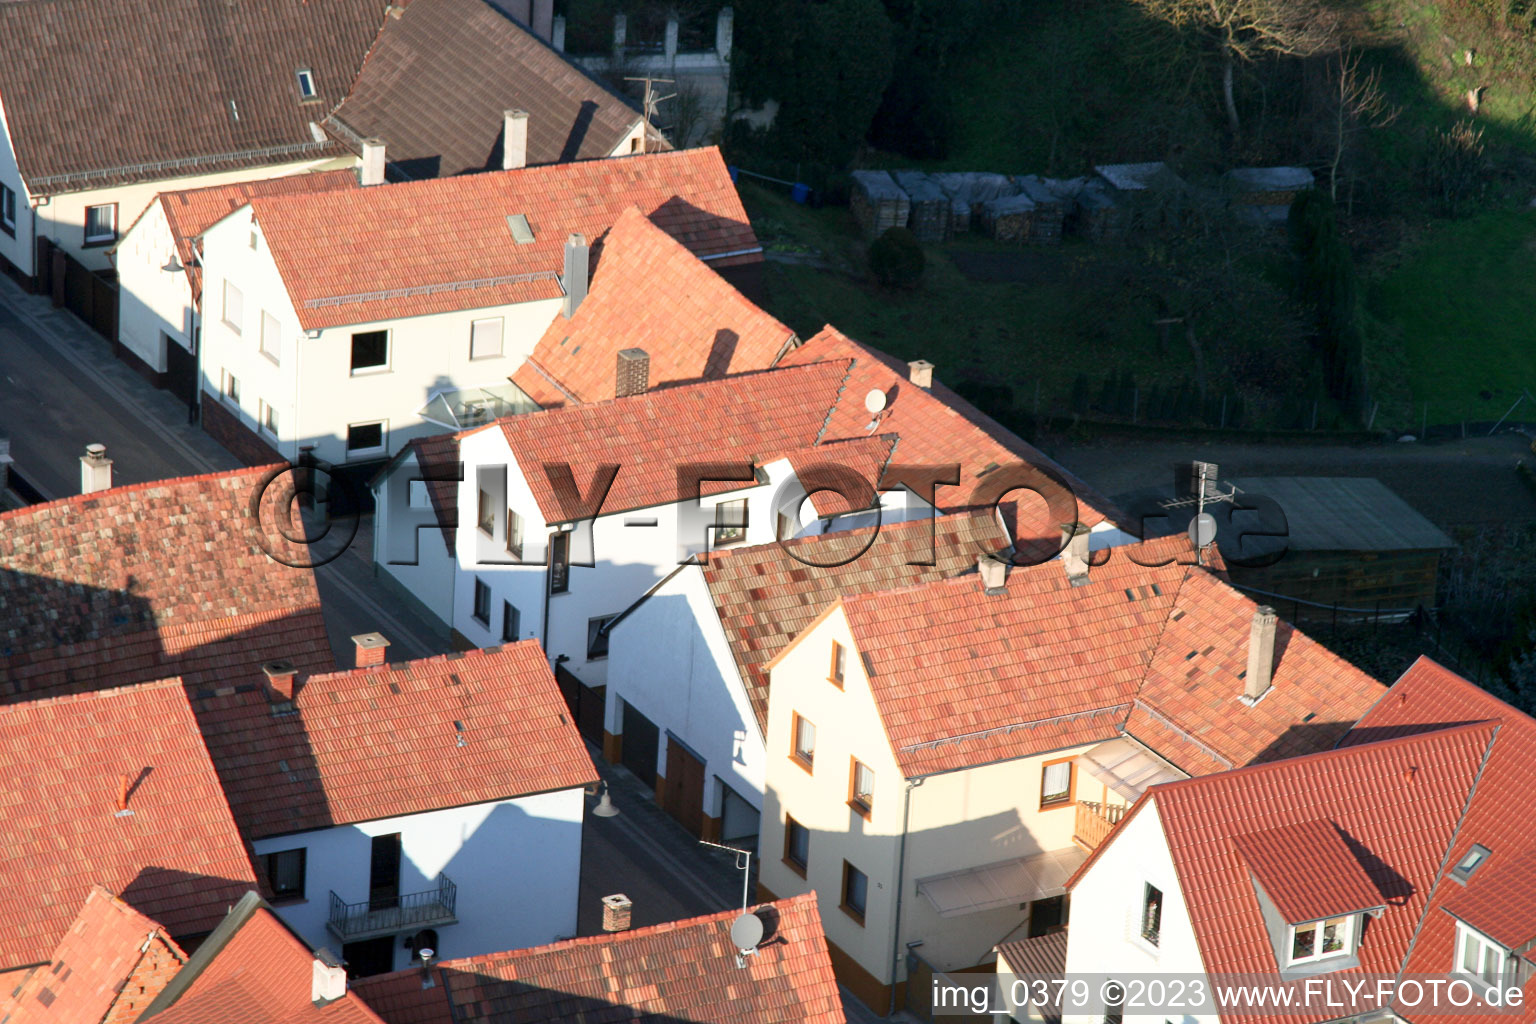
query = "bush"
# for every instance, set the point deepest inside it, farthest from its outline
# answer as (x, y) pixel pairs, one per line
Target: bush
(896, 260)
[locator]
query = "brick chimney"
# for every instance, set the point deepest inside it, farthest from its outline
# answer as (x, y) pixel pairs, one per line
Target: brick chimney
(371, 648)
(994, 574)
(921, 373)
(514, 140)
(372, 170)
(575, 278)
(95, 469)
(616, 912)
(1075, 554)
(634, 373)
(282, 680)
(1261, 655)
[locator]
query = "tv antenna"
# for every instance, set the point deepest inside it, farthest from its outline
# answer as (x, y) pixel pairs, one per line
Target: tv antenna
(648, 107)
(743, 864)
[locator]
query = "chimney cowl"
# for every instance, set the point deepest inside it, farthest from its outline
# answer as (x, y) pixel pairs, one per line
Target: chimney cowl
(371, 172)
(372, 649)
(1074, 553)
(994, 574)
(95, 469)
(1261, 655)
(633, 376)
(514, 140)
(920, 371)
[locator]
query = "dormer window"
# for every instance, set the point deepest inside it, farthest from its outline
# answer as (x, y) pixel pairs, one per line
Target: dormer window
(307, 88)
(1471, 862)
(1318, 940)
(1479, 956)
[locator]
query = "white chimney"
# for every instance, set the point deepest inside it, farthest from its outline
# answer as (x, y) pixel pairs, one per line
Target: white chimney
(994, 574)
(575, 277)
(95, 469)
(1075, 554)
(514, 140)
(372, 171)
(1261, 655)
(922, 373)
(328, 981)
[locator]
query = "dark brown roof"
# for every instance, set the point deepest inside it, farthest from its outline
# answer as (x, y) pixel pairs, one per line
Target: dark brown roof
(96, 90)
(438, 80)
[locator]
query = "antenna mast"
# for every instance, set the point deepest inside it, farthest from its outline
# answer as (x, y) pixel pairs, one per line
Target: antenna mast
(648, 108)
(743, 864)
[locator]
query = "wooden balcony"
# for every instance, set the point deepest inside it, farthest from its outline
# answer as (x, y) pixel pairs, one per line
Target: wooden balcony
(1095, 821)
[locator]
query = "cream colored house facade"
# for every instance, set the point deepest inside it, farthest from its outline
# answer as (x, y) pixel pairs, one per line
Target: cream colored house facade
(954, 863)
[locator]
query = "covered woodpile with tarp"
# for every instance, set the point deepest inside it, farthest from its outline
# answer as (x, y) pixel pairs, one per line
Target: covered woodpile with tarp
(1009, 218)
(968, 192)
(1053, 200)
(1264, 194)
(930, 206)
(878, 203)
(1099, 215)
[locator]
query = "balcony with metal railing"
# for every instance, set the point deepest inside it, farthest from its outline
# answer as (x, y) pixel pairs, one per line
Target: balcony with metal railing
(370, 919)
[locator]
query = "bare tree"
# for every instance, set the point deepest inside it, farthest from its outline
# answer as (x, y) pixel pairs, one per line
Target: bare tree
(1242, 31)
(1358, 104)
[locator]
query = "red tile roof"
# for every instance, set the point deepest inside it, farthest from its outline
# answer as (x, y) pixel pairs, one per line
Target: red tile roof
(766, 594)
(262, 975)
(109, 951)
(937, 426)
(152, 580)
(1397, 801)
(177, 858)
(1499, 899)
(746, 418)
(1307, 870)
(650, 292)
(192, 211)
(380, 742)
(121, 107)
(962, 677)
(683, 970)
(427, 241)
(840, 476)
(469, 57)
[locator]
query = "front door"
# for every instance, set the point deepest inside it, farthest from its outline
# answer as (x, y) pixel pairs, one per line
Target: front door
(684, 788)
(384, 873)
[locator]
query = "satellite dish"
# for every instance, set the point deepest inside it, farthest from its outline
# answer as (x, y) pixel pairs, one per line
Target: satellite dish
(1202, 529)
(747, 932)
(875, 401)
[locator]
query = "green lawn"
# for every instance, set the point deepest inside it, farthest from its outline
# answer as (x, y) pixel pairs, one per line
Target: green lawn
(1461, 308)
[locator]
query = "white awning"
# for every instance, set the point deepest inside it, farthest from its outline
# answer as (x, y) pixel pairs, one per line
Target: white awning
(1005, 883)
(1127, 768)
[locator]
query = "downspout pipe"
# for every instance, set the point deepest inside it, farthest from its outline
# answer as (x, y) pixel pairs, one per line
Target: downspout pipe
(901, 869)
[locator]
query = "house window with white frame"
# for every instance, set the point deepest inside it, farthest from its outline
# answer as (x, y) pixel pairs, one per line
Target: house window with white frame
(8, 210)
(730, 521)
(485, 513)
(1479, 956)
(307, 90)
(101, 224)
(271, 338)
(1319, 940)
(1151, 912)
(485, 338)
(511, 620)
(234, 307)
(230, 388)
(597, 636)
(268, 419)
(364, 439)
(514, 535)
(482, 606)
(370, 352)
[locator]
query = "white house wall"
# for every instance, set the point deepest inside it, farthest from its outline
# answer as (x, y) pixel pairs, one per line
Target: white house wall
(516, 863)
(17, 248)
(670, 659)
(151, 300)
(1105, 935)
(314, 390)
(430, 579)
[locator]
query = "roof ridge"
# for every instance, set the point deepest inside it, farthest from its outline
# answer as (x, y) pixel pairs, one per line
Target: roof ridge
(725, 555)
(168, 683)
(473, 654)
(19, 513)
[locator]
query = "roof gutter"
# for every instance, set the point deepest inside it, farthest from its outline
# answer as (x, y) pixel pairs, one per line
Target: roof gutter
(756, 249)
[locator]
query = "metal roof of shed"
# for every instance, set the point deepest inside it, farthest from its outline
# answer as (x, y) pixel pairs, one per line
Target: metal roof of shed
(1345, 514)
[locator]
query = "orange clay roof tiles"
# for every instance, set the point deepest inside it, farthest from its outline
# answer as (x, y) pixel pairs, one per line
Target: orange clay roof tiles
(766, 594)
(650, 292)
(424, 241)
(962, 677)
(938, 426)
(100, 954)
(679, 971)
(1398, 801)
(192, 211)
(177, 858)
(1307, 870)
(151, 580)
(840, 476)
(263, 975)
(382, 742)
(746, 418)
